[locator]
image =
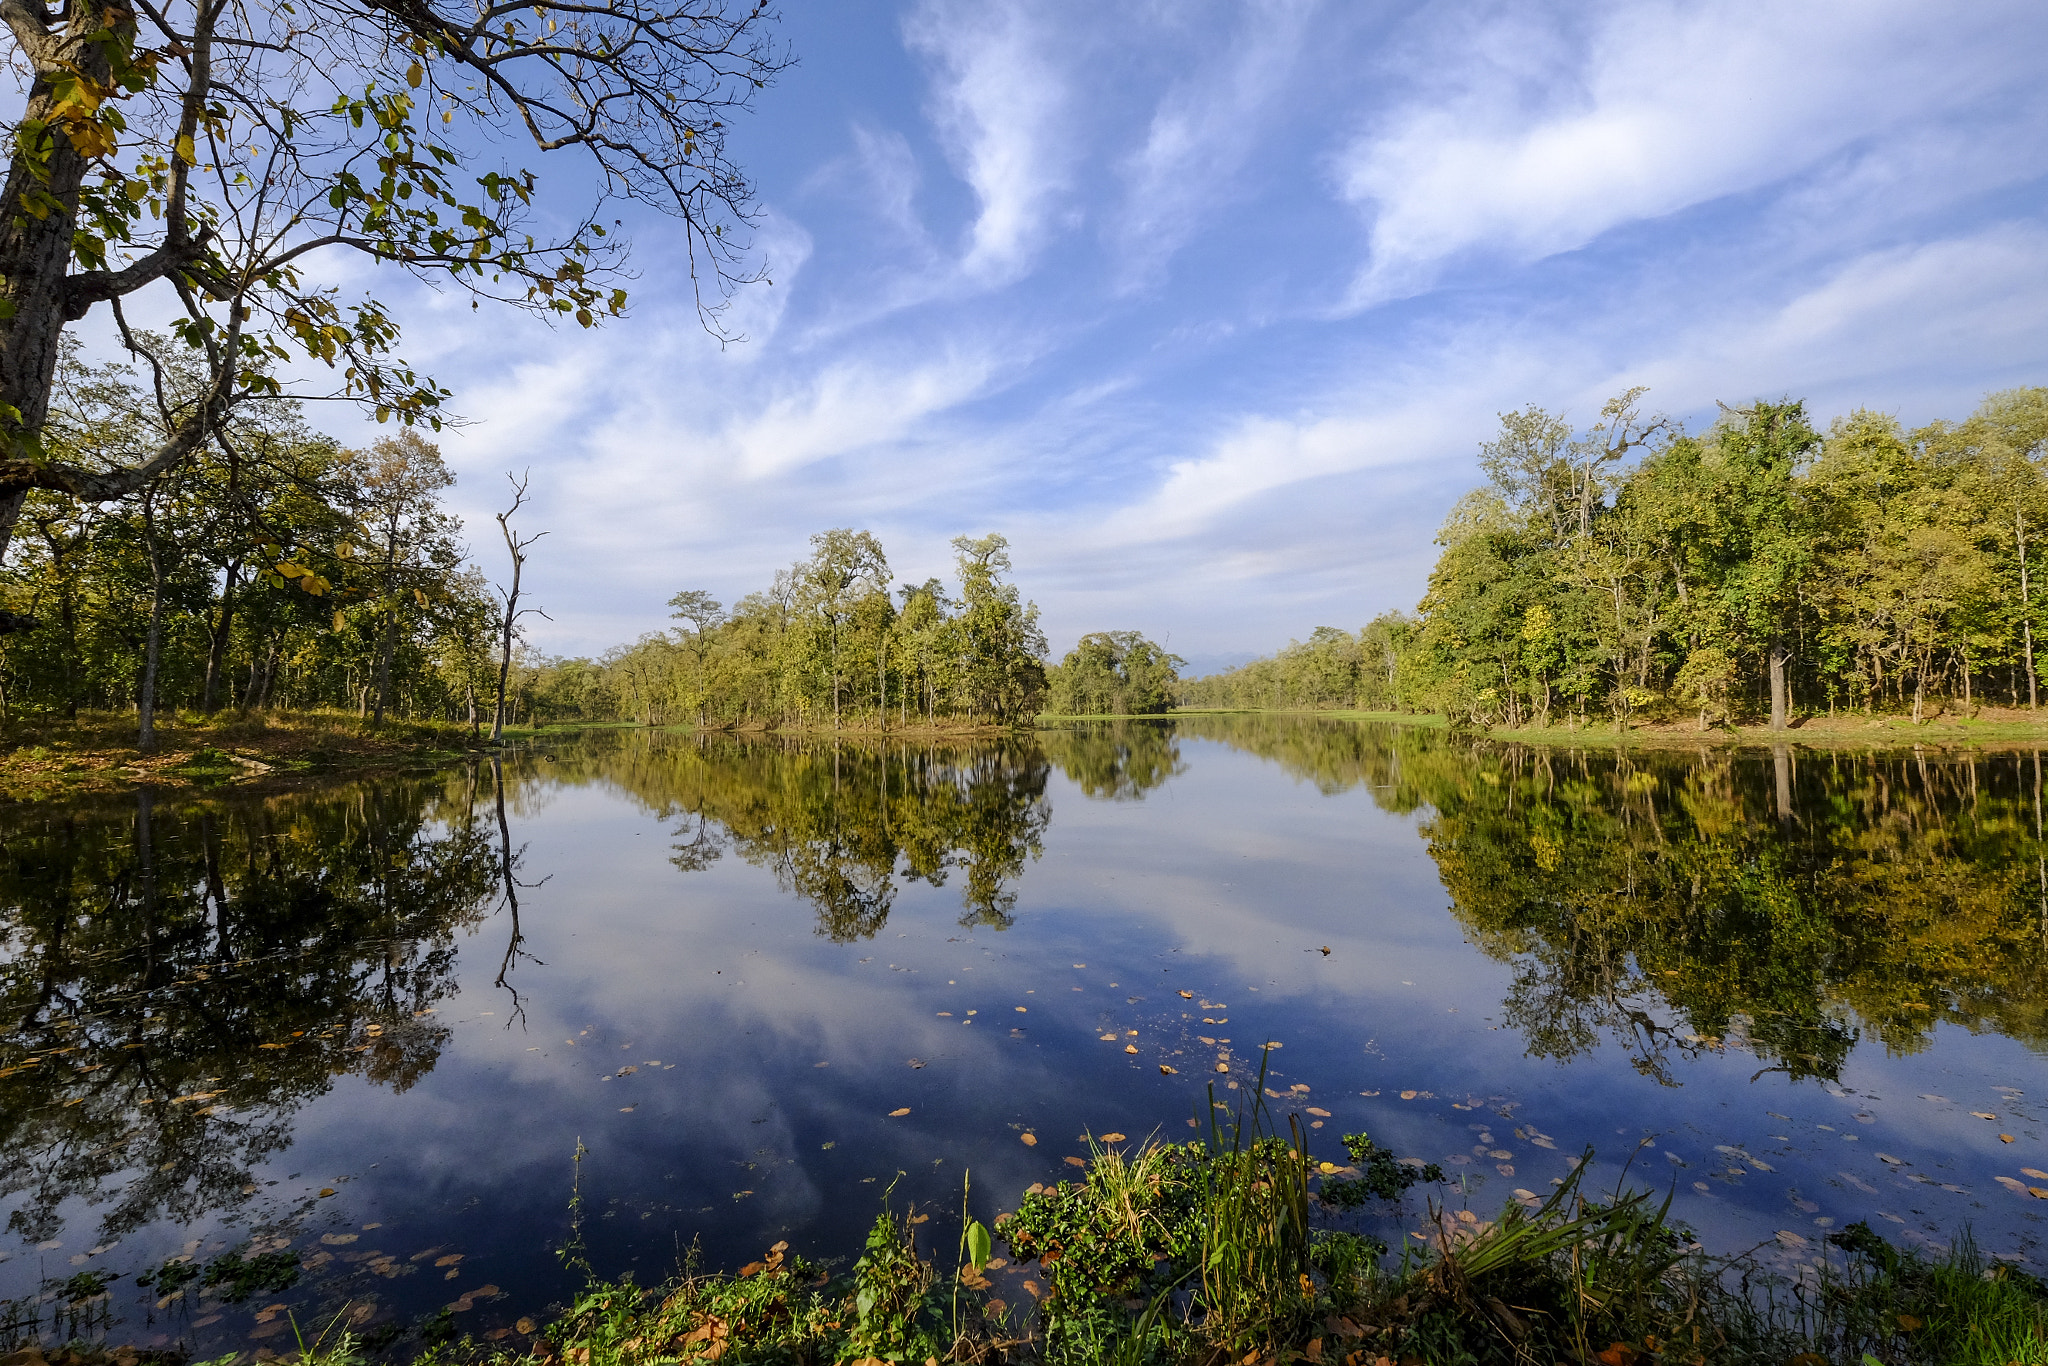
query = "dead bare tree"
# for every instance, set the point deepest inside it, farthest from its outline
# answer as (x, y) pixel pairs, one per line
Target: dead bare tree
(517, 545)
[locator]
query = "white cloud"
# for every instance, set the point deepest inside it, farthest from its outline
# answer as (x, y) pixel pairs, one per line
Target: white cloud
(1203, 130)
(1662, 107)
(1000, 106)
(848, 407)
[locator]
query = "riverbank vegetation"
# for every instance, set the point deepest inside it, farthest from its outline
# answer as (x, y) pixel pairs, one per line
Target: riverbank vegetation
(1759, 570)
(1244, 1247)
(275, 570)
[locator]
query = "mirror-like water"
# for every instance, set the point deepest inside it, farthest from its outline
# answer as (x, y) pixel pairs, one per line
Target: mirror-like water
(364, 1029)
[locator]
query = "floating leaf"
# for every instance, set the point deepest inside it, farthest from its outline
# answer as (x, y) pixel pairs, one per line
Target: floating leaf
(2016, 1187)
(1029, 1140)
(2005, 1138)
(1983, 1114)
(1075, 1161)
(326, 1191)
(1112, 1138)
(1318, 1113)
(1187, 995)
(898, 1114)
(1166, 1071)
(1111, 1037)
(1408, 1095)
(2034, 1172)
(1130, 1048)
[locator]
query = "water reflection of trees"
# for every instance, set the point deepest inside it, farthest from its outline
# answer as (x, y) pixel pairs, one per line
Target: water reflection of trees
(842, 825)
(1675, 901)
(177, 980)
(1116, 761)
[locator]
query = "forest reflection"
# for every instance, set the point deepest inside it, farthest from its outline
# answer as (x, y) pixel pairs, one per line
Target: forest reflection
(1680, 900)
(176, 982)
(845, 825)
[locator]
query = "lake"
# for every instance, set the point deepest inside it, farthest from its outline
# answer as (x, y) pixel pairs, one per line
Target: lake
(721, 992)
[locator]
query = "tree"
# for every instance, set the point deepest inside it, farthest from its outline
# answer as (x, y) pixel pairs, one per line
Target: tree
(845, 567)
(409, 541)
(207, 157)
(508, 621)
(1001, 644)
(1115, 673)
(1763, 548)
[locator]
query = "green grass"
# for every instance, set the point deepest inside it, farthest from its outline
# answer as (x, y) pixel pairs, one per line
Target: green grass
(1848, 731)
(1242, 1247)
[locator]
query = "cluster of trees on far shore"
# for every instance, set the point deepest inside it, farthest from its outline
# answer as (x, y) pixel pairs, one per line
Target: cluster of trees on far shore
(827, 644)
(1756, 569)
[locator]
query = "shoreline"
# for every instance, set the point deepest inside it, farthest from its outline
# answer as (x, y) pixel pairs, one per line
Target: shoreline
(1239, 1246)
(1809, 732)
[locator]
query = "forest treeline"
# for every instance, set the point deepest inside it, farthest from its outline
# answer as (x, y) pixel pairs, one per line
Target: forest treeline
(828, 644)
(276, 568)
(1759, 569)
(279, 569)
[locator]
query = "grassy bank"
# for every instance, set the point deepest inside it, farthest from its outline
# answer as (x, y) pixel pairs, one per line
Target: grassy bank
(44, 758)
(1246, 1248)
(1233, 1251)
(1990, 726)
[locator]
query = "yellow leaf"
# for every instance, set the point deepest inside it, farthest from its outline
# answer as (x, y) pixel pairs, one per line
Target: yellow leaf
(898, 1114)
(186, 152)
(1112, 1138)
(1029, 1140)
(414, 75)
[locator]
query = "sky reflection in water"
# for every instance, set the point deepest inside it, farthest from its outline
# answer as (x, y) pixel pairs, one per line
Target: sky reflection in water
(1812, 981)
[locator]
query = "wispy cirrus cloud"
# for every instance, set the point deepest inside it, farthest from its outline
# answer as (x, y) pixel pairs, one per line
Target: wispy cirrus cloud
(1202, 131)
(999, 103)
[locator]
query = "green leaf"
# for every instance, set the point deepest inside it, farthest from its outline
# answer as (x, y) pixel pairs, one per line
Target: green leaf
(978, 1244)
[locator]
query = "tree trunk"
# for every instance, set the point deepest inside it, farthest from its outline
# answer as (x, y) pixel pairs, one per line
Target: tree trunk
(384, 652)
(152, 646)
(1778, 701)
(505, 660)
(2033, 687)
(217, 644)
(38, 214)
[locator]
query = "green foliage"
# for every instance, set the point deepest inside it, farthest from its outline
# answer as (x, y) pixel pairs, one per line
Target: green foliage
(1331, 669)
(274, 569)
(1640, 572)
(1114, 673)
(238, 1274)
(826, 645)
(1381, 1175)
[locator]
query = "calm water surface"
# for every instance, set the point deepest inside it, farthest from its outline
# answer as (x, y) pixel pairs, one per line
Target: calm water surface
(367, 1027)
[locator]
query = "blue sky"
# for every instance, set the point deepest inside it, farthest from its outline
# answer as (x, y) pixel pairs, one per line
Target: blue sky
(1207, 306)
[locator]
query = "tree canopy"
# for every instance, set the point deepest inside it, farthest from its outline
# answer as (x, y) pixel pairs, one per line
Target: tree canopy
(1758, 568)
(212, 159)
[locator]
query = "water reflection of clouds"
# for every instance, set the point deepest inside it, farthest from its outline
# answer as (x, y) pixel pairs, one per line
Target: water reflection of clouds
(1224, 877)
